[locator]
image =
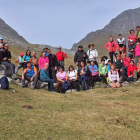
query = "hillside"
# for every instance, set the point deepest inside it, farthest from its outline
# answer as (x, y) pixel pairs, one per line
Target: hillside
(121, 24)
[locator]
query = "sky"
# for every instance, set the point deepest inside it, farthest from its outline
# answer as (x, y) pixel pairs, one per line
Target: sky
(60, 22)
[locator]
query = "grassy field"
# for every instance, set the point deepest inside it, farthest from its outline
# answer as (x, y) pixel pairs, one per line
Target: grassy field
(112, 114)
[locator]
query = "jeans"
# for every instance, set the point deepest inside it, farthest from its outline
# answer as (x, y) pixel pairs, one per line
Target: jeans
(9, 66)
(136, 59)
(83, 82)
(26, 77)
(50, 81)
(111, 55)
(18, 67)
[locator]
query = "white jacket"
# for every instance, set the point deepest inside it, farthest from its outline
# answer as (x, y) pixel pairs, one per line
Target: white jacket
(91, 54)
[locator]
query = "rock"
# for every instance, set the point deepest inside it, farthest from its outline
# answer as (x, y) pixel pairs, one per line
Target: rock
(43, 85)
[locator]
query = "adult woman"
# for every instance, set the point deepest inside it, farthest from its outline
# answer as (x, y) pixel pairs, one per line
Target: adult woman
(26, 58)
(112, 47)
(83, 72)
(114, 77)
(72, 77)
(43, 60)
(94, 73)
(130, 71)
(103, 72)
(132, 36)
(137, 52)
(92, 54)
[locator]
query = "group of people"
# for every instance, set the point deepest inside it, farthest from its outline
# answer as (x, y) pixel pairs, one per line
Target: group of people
(50, 67)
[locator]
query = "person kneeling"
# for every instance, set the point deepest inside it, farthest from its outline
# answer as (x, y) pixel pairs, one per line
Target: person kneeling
(72, 77)
(44, 77)
(114, 77)
(30, 74)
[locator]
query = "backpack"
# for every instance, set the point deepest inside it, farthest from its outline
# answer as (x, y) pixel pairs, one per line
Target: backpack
(64, 87)
(4, 83)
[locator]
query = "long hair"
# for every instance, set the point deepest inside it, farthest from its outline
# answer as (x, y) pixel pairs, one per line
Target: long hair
(29, 53)
(71, 67)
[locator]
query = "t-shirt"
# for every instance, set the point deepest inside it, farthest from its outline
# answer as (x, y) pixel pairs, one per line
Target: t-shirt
(26, 58)
(60, 56)
(20, 59)
(61, 75)
(72, 75)
(35, 69)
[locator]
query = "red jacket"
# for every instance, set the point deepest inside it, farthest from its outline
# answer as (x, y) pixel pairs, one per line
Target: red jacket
(112, 46)
(60, 56)
(130, 70)
(126, 61)
(132, 37)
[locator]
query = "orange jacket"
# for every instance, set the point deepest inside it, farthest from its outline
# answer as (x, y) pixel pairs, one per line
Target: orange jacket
(112, 46)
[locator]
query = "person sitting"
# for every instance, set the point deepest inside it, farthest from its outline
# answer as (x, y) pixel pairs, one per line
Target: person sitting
(43, 60)
(114, 77)
(44, 77)
(137, 52)
(72, 75)
(20, 62)
(131, 48)
(94, 73)
(126, 61)
(84, 73)
(61, 78)
(80, 55)
(103, 72)
(108, 65)
(34, 60)
(30, 74)
(92, 54)
(130, 72)
(26, 58)
(6, 61)
(120, 67)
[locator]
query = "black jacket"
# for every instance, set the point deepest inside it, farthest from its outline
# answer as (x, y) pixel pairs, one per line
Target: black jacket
(52, 60)
(79, 56)
(1, 55)
(133, 46)
(86, 70)
(7, 54)
(119, 64)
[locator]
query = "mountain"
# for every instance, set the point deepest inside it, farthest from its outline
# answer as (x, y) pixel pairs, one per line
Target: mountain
(121, 24)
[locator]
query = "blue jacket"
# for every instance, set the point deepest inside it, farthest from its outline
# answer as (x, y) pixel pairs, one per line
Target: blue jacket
(93, 68)
(31, 72)
(108, 68)
(44, 74)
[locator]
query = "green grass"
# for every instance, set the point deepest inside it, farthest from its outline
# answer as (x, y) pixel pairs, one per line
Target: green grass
(92, 115)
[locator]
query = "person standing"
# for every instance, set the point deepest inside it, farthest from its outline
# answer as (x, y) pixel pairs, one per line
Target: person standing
(52, 66)
(46, 50)
(112, 47)
(80, 56)
(34, 60)
(131, 48)
(6, 61)
(92, 54)
(60, 57)
(26, 58)
(122, 44)
(137, 52)
(132, 36)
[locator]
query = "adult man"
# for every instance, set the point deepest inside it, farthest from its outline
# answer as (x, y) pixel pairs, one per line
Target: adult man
(131, 48)
(122, 44)
(60, 57)
(138, 33)
(46, 50)
(1, 48)
(6, 60)
(44, 77)
(52, 66)
(34, 60)
(30, 74)
(1, 42)
(80, 55)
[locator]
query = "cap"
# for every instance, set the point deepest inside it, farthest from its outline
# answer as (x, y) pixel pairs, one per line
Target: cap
(1, 38)
(80, 46)
(131, 41)
(21, 54)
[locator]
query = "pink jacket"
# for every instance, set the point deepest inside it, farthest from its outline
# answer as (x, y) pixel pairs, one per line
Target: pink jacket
(42, 62)
(137, 51)
(112, 47)
(126, 61)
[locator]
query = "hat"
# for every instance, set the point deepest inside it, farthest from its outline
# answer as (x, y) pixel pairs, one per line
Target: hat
(131, 41)
(1, 38)
(21, 54)
(80, 46)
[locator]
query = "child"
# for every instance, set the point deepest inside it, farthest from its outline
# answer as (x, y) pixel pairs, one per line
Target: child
(103, 72)
(130, 71)
(114, 77)
(20, 62)
(108, 65)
